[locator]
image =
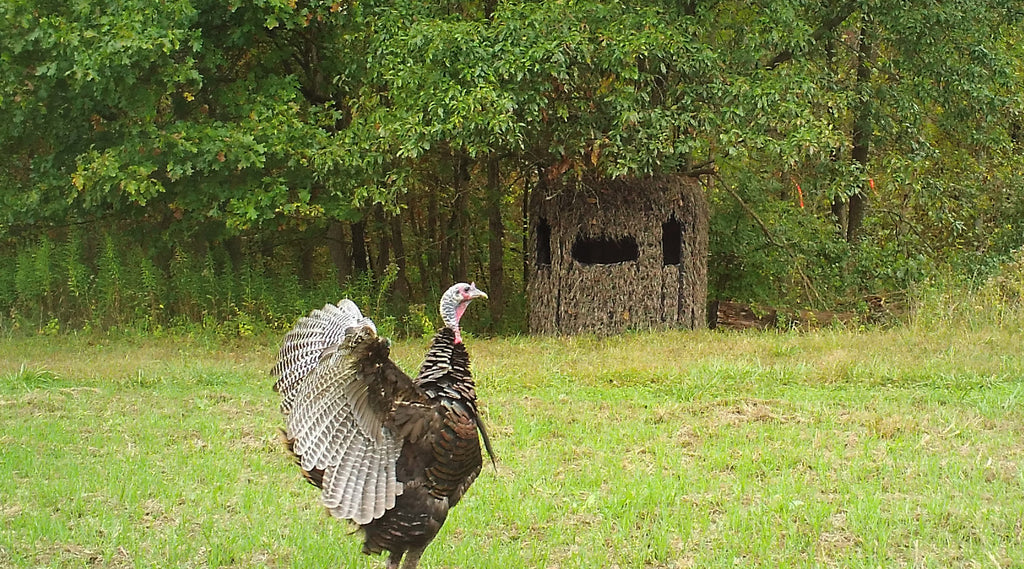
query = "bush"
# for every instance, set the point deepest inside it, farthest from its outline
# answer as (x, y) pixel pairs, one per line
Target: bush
(996, 299)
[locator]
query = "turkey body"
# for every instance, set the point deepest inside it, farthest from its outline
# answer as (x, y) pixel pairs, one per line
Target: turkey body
(391, 453)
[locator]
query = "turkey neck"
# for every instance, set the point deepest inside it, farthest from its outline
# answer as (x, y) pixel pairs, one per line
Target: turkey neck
(445, 370)
(452, 308)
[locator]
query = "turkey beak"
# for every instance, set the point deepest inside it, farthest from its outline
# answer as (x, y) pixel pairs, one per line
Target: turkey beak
(475, 293)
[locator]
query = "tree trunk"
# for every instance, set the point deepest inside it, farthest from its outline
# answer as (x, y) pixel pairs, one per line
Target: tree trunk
(402, 280)
(458, 235)
(267, 249)
(435, 244)
(383, 257)
(421, 245)
(306, 258)
(862, 126)
(455, 239)
(341, 256)
(839, 210)
(839, 202)
(858, 205)
(496, 241)
(525, 228)
(233, 245)
(359, 260)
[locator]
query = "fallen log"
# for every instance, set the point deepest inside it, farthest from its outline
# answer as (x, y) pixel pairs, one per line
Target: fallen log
(728, 315)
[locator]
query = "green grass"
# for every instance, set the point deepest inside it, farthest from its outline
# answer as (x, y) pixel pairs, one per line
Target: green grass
(897, 448)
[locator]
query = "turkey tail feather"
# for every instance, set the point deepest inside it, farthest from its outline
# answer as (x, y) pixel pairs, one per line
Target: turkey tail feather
(487, 440)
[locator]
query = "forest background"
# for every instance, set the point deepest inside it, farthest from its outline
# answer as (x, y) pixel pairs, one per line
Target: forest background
(230, 166)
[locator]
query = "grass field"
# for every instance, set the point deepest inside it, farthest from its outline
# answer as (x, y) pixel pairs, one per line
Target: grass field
(886, 448)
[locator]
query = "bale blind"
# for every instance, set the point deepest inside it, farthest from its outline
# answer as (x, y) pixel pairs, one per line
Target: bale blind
(610, 255)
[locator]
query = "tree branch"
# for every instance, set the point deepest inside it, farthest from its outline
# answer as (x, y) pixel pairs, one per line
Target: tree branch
(826, 27)
(708, 168)
(771, 239)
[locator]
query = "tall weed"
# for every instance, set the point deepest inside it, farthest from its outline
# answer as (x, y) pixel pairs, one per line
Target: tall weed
(110, 281)
(8, 290)
(994, 301)
(34, 289)
(78, 278)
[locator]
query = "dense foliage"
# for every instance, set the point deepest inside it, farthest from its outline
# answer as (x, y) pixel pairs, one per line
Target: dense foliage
(287, 150)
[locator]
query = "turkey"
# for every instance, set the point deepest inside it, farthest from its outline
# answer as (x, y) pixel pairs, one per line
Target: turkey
(391, 453)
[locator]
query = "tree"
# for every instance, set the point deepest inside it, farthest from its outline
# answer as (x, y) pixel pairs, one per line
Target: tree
(296, 125)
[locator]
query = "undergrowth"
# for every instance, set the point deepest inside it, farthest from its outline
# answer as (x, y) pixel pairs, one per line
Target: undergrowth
(106, 283)
(995, 300)
(109, 283)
